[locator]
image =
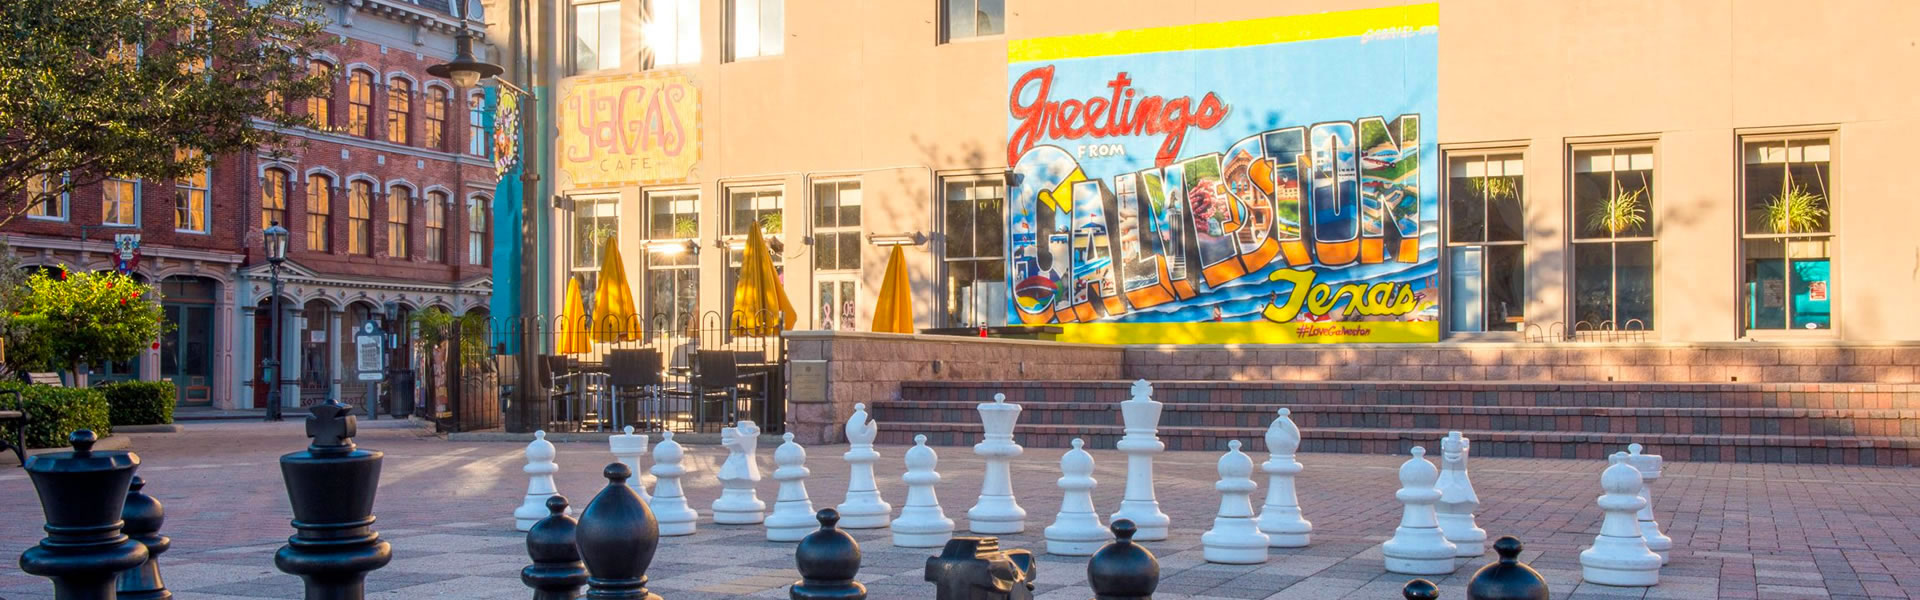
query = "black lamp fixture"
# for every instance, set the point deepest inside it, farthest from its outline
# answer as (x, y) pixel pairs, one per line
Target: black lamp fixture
(465, 70)
(276, 239)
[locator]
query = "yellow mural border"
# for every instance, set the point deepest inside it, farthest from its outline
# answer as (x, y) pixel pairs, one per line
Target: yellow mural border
(1380, 332)
(1234, 34)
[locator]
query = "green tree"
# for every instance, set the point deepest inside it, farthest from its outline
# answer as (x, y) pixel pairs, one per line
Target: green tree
(80, 318)
(145, 88)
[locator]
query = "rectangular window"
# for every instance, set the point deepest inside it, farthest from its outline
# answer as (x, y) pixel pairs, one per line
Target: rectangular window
(360, 218)
(596, 221)
(399, 222)
(1787, 240)
(437, 227)
(318, 106)
(672, 33)
(974, 219)
(836, 226)
(319, 213)
(596, 36)
(755, 204)
(273, 199)
(758, 28)
(974, 18)
(1613, 237)
(1485, 243)
(399, 110)
(477, 124)
(436, 128)
(190, 196)
(120, 202)
(360, 104)
(477, 227)
(47, 200)
(673, 215)
(672, 292)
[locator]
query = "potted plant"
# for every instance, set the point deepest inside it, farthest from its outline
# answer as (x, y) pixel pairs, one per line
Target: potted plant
(1620, 212)
(1794, 209)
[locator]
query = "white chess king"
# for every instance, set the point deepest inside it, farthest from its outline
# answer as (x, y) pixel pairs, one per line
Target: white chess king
(864, 508)
(1280, 518)
(1141, 415)
(997, 513)
(738, 504)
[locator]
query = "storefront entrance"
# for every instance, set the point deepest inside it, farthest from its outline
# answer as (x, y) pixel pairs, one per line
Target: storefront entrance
(186, 352)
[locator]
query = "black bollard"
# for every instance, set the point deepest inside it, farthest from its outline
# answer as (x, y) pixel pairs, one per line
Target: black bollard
(1123, 570)
(1507, 579)
(617, 537)
(1420, 589)
(81, 494)
(556, 572)
(331, 485)
(828, 560)
(143, 516)
(975, 568)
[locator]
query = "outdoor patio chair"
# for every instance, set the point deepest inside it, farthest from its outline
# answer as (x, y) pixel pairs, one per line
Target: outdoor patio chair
(716, 384)
(635, 375)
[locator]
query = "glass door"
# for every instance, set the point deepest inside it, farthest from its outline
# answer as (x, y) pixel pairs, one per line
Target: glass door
(186, 351)
(836, 301)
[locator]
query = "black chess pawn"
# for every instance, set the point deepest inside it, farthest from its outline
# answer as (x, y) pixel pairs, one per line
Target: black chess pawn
(1420, 589)
(82, 494)
(1508, 578)
(828, 560)
(331, 485)
(556, 572)
(1123, 570)
(143, 516)
(617, 537)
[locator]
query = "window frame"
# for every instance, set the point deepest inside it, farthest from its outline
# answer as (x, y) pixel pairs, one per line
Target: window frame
(619, 47)
(399, 91)
(679, 31)
(674, 255)
(944, 21)
(182, 192)
(324, 231)
(1832, 235)
(730, 33)
(816, 231)
(135, 184)
(320, 107)
(363, 223)
(1573, 239)
(434, 130)
(267, 212)
(359, 110)
(479, 230)
(477, 125)
(1483, 152)
(436, 224)
(64, 199)
(946, 260)
(400, 231)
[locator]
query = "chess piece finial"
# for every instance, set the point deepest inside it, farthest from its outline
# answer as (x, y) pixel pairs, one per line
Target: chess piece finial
(1123, 570)
(828, 560)
(1507, 578)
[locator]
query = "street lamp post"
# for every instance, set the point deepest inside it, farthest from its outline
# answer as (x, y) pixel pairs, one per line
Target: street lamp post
(276, 240)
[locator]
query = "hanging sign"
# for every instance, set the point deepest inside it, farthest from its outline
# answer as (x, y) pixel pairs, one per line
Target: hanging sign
(635, 129)
(126, 253)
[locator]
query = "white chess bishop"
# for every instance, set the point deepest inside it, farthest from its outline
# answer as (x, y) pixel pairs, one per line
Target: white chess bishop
(922, 523)
(540, 469)
(1619, 555)
(1280, 518)
(864, 508)
(1235, 539)
(669, 503)
(997, 513)
(627, 448)
(1141, 415)
(1077, 530)
(1418, 547)
(1458, 502)
(1649, 467)
(792, 516)
(738, 504)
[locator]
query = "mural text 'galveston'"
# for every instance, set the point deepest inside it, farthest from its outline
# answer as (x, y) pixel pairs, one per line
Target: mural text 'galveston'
(1245, 182)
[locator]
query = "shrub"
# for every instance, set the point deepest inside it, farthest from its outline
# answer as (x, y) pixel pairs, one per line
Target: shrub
(139, 402)
(54, 412)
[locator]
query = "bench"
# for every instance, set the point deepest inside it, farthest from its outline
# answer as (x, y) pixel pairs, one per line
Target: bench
(52, 379)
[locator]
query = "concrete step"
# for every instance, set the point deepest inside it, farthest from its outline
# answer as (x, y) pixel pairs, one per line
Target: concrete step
(1494, 393)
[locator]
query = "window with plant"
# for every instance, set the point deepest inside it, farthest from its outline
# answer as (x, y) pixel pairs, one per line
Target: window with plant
(1486, 241)
(1613, 237)
(672, 280)
(1786, 233)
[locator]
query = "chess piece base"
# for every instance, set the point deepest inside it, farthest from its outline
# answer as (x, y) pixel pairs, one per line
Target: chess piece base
(1063, 548)
(1245, 547)
(1658, 542)
(1287, 540)
(1151, 524)
(1418, 552)
(997, 515)
(677, 529)
(1420, 566)
(854, 591)
(1620, 577)
(780, 529)
(1468, 539)
(728, 517)
(1623, 562)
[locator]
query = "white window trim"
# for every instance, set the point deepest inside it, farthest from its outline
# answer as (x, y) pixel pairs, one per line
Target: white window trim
(573, 48)
(730, 33)
(1483, 150)
(726, 210)
(1833, 233)
(943, 33)
(942, 261)
(136, 204)
(66, 205)
(1570, 207)
(813, 228)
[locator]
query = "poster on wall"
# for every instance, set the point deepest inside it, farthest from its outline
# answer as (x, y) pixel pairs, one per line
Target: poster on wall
(1244, 182)
(634, 129)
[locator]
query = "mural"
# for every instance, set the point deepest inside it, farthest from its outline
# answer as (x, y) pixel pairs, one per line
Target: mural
(628, 129)
(1246, 182)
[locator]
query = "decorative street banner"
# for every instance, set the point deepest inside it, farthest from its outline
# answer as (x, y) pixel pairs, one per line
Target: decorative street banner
(506, 132)
(1245, 182)
(633, 129)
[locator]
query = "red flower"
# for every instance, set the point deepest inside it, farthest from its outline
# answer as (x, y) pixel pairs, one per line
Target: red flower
(123, 301)
(156, 345)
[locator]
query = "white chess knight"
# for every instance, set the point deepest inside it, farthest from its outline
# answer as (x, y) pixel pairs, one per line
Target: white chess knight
(864, 508)
(1077, 530)
(997, 512)
(1619, 555)
(922, 524)
(738, 504)
(1280, 518)
(540, 468)
(669, 501)
(1457, 499)
(792, 516)
(1141, 415)
(628, 448)
(1649, 467)
(1235, 539)
(1418, 547)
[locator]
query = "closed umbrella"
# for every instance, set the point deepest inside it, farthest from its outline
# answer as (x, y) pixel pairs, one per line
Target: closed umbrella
(758, 298)
(614, 316)
(573, 330)
(894, 312)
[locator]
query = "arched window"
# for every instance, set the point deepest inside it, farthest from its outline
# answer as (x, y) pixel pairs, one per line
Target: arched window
(437, 226)
(360, 218)
(436, 119)
(477, 124)
(319, 213)
(273, 199)
(477, 226)
(399, 221)
(320, 107)
(360, 104)
(399, 109)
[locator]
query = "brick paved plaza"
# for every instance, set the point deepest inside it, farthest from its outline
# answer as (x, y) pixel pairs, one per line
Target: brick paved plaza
(1740, 531)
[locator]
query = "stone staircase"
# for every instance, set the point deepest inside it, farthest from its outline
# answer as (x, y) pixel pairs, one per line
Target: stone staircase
(1852, 424)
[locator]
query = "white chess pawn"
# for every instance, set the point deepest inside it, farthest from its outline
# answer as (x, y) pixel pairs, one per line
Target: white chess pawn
(1649, 467)
(1457, 499)
(669, 501)
(1418, 547)
(1619, 555)
(1141, 414)
(997, 512)
(540, 469)
(792, 516)
(628, 448)
(922, 524)
(1077, 530)
(864, 508)
(738, 503)
(1235, 539)
(1280, 518)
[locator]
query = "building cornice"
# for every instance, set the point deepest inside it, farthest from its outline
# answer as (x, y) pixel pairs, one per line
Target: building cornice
(368, 144)
(21, 242)
(402, 11)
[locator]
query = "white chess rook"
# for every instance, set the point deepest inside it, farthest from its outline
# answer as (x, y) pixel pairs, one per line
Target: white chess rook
(1141, 415)
(1619, 555)
(1280, 517)
(997, 513)
(628, 448)
(1649, 467)
(922, 524)
(1235, 539)
(1458, 501)
(1418, 547)
(738, 503)
(669, 502)
(864, 508)
(792, 516)
(1077, 530)
(540, 468)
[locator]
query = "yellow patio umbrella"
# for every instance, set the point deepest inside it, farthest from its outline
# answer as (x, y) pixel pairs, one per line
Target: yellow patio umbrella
(572, 337)
(614, 316)
(894, 313)
(759, 295)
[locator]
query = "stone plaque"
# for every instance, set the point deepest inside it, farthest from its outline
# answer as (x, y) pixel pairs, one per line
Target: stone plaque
(807, 381)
